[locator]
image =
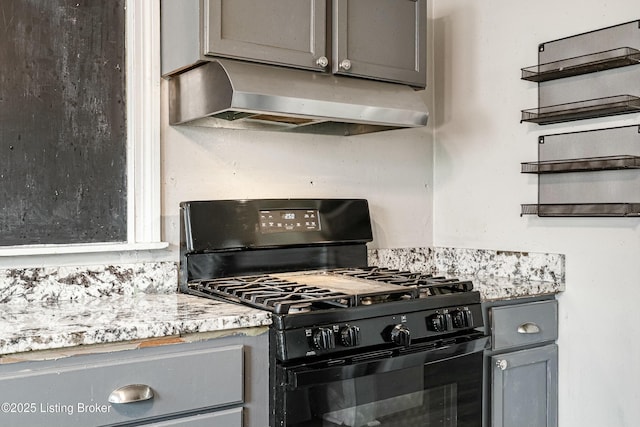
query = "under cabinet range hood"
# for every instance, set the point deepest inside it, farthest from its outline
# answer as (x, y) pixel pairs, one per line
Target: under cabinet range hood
(242, 95)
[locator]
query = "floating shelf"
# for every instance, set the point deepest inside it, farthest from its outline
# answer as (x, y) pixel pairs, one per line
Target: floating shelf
(582, 165)
(582, 210)
(601, 107)
(615, 58)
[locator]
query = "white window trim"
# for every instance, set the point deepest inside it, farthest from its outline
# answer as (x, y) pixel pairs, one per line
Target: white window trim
(143, 141)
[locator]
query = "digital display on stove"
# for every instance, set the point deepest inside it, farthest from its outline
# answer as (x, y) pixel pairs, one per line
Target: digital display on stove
(280, 221)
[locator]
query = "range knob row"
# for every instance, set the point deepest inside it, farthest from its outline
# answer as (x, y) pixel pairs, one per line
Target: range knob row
(442, 322)
(325, 338)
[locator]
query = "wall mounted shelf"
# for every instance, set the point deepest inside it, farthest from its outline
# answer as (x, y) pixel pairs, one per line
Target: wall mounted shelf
(587, 174)
(585, 76)
(602, 107)
(582, 210)
(614, 58)
(582, 165)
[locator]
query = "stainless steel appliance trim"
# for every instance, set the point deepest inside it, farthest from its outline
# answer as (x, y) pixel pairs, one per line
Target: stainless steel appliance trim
(231, 93)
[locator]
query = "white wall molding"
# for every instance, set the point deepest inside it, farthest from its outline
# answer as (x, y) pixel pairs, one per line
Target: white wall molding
(143, 141)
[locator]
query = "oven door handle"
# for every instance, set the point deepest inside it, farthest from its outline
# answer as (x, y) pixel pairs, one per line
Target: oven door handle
(305, 376)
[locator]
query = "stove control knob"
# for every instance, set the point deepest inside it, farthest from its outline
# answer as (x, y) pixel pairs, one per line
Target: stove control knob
(440, 322)
(350, 336)
(468, 317)
(401, 335)
(462, 318)
(459, 320)
(435, 322)
(448, 323)
(323, 339)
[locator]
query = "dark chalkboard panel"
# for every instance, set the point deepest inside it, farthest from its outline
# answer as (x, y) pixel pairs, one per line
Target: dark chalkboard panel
(62, 122)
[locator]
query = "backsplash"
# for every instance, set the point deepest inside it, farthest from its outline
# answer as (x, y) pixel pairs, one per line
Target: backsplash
(50, 284)
(412, 259)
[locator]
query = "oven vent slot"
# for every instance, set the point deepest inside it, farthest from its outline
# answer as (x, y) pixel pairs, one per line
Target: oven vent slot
(418, 347)
(382, 354)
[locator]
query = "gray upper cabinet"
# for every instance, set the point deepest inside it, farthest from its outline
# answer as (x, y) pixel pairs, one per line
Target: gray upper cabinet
(374, 39)
(381, 39)
(288, 32)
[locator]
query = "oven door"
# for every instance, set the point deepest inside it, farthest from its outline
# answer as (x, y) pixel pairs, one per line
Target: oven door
(423, 386)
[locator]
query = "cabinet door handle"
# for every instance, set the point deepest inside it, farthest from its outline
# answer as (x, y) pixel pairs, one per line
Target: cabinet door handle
(529, 328)
(322, 62)
(131, 393)
(502, 364)
(345, 64)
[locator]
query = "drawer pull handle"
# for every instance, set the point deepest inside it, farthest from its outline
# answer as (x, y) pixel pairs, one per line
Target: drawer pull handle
(131, 393)
(529, 328)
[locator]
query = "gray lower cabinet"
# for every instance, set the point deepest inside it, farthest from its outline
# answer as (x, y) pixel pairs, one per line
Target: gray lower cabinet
(522, 364)
(216, 383)
(524, 388)
(376, 39)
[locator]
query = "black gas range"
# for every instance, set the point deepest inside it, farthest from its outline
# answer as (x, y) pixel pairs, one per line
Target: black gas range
(343, 333)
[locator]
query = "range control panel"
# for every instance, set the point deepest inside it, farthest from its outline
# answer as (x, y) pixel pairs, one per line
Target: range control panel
(394, 330)
(280, 221)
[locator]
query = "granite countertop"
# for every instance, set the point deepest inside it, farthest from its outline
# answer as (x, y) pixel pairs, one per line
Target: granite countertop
(113, 319)
(505, 288)
(32, 326)
(497, 275)
(78, 308)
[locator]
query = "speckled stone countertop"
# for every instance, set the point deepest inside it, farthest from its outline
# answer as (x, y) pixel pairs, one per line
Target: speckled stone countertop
(503, 288)
(46, 309)
(497, 275)
(114, 319)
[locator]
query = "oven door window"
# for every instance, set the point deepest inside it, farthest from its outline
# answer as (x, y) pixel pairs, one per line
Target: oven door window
(447, 393)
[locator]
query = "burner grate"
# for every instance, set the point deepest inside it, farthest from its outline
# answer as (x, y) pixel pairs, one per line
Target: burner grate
(277, 295)
(427, 284)
(299, 293)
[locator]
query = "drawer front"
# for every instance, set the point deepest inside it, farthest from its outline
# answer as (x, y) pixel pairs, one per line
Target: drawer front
(78, 394)
(228, 418)
(524, 324)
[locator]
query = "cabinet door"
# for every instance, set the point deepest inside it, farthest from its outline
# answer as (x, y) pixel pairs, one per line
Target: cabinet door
(380, 39)
(524, 390)
(287, 32)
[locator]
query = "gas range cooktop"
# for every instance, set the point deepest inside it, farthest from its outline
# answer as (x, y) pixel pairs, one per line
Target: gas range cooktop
(305, 261)
(341, 288)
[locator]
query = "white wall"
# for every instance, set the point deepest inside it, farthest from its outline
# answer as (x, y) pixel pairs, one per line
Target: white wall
(480, 48)
(391, 170)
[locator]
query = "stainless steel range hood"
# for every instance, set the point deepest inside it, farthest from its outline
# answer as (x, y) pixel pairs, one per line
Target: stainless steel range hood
(235, 94)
